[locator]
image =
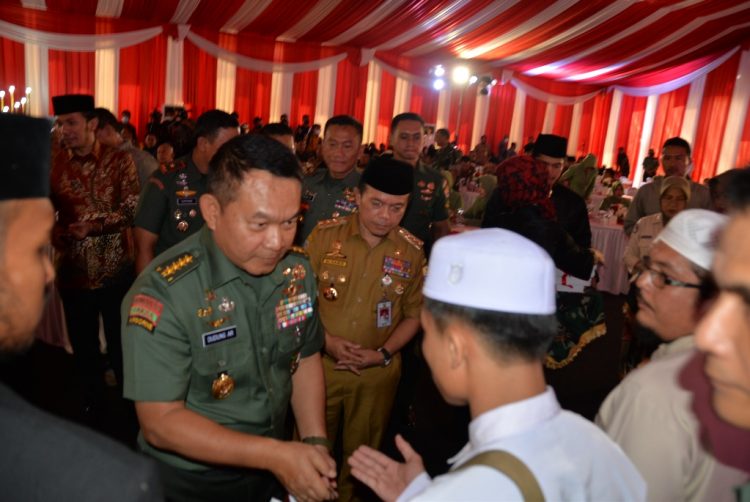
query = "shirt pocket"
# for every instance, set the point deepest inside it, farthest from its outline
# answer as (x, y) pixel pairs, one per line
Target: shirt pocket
(228, 356)
(333, 283)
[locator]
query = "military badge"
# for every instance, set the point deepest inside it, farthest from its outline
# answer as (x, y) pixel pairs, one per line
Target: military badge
(145, 311)
(396, 266)
(293, 310)
(222, 386)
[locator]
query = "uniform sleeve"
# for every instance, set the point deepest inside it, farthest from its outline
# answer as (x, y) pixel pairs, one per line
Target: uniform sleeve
(313, 337)
(440, 207)
(121, 217)
(156, 351)
(152, 206)
(413, 294)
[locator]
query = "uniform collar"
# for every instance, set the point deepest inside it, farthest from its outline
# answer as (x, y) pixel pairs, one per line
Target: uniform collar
(507, 421)
(354, 229)
(349, 180)
(224, 271)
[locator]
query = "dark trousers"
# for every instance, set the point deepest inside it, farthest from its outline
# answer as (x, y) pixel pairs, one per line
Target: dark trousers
(82, 310)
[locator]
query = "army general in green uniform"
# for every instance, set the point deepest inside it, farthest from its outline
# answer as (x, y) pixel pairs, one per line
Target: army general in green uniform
(370, 274)
(427, 214)
(221, 335)
(329, 191)
(168, 209)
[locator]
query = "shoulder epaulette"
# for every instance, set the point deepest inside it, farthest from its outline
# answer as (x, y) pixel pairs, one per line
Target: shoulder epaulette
(299, 250)
(333, 222)
(410, 238)
(172, 270)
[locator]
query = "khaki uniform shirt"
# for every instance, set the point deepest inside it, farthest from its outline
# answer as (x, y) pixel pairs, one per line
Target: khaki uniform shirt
(639, 244)
(344, 261)
(324, 197)
(427, 204)
(194, 315)
(169, 203)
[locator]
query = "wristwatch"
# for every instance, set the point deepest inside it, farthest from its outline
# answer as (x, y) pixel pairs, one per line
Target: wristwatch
(387, 357)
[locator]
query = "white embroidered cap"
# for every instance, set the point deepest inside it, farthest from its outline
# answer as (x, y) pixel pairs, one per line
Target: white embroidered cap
(694, 234)
(492, 269)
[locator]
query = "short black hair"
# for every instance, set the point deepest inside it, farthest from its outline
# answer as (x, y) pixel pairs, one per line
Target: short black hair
(105, 118)
(405, 116)
(443, 132)
(344, 121)
(276, 129)
(510, 336)
(738, 189)
(243, 153)
(208, 124)
(678, 142)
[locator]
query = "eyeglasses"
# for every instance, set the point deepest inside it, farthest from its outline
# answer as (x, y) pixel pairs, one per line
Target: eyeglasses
(660, 279)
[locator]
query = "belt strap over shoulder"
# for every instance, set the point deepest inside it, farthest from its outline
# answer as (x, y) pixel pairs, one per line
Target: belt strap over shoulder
(511, 466)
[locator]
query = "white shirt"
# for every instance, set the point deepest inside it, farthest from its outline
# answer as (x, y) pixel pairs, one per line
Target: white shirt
(570, 458)
(650, 416)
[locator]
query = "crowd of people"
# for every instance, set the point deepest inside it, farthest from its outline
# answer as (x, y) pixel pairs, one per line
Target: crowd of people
(270, 296)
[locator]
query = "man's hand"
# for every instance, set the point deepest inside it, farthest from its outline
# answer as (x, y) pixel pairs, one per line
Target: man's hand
(366, 358)
(80, 230)
(341, 349)
(307, 472)
(386, 477)
(598, 256)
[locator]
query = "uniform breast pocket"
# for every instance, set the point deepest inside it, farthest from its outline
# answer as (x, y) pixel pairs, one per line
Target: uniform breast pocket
(222, 352)
(333, 284)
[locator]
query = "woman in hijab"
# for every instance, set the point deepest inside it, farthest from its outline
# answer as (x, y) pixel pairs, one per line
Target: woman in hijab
(521, 203)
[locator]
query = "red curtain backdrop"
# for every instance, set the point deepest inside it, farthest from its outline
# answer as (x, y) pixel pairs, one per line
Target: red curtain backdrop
(141, 86)
(424, 101)
(563, 118)
(304, 93)
(533, 119)
(717, 97)
(252, 96)
(199, 78)
(743, 152)
(387, 99)
(351, 87)
(500, 114)
(594, 125)
(670, 112)
(12, 70)
(70, 73)
(467, 116)
(629, 129)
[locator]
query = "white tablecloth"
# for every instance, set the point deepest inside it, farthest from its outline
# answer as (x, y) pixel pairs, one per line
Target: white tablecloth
(609, 238)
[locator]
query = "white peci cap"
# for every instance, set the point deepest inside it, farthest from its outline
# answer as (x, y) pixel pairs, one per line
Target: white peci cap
(492, 269)
(694, 234)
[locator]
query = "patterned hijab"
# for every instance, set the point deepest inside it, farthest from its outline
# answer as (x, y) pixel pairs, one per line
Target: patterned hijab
(522, 182)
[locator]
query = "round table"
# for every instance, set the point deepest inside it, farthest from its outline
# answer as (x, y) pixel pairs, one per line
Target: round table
(609, 238)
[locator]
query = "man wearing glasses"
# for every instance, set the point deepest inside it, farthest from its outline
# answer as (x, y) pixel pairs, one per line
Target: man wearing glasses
(675, 160)
(649, 414)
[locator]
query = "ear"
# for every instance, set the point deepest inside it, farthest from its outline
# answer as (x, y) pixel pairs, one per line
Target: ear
(456, 336)
(92, 124)
(210, 209)
(201, 143)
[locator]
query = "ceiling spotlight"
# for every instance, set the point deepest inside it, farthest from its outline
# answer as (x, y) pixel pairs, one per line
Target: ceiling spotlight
(438, 84)
(494, 81)
(460, 75)
(473, 79)
(439, 70)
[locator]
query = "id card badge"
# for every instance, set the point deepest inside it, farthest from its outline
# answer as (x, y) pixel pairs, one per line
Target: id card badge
(385, 309)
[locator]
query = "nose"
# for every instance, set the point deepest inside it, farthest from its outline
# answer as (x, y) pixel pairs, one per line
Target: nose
(274, 239)
(49, 270)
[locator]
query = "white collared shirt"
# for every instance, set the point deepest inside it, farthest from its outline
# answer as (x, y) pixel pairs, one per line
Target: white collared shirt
(570, 458)
(650, 416)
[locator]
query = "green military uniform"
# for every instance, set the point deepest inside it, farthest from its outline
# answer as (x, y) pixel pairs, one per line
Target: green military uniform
(446, 156)
(427, 203)
(194, 323)
(364, 294)
(168, 204)
(324, 197)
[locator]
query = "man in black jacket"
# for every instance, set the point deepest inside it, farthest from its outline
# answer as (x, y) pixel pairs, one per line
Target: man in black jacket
(43, 457)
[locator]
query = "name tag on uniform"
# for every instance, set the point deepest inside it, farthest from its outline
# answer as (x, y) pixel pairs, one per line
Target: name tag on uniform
(385, 311)
(308, 196)
(219, 335)
(187, 201)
